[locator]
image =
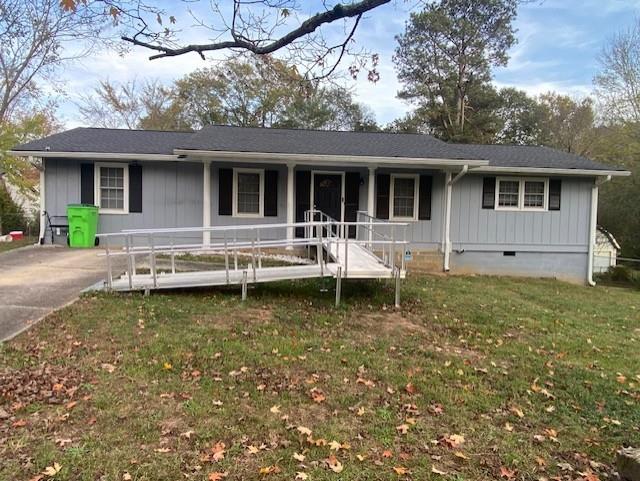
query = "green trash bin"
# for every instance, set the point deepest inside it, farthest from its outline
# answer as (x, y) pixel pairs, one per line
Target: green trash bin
(83, 225)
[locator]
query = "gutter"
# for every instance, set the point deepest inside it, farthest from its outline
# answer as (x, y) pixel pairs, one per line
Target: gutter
(447, 213)
(92, 155)
(552, 171)
(592, 226)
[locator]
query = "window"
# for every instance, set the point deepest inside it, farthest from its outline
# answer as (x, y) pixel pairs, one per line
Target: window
(521, 194)
(112, 188)
(404, 197)
(248, 186)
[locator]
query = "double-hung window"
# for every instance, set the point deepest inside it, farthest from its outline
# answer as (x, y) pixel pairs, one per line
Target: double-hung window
(112, 188)
(248, 192)
(521, 193)
(404, 197)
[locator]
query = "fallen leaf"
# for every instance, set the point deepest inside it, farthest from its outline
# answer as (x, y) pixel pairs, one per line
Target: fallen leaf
(410, 388)
(167, 366)
(301, 476)
(437, 471)
(317, 395)
(52, 470)
(403, 428)
(507, 473)
(387, 454)
(20, 423)
(517, 411)
(108, 367)
(269, 470)
(334, 464)
(252, 449)
(299, 457)
(461, 455)
(303, 430)
(401, 470)
(126, 477)
(275, 409)
(218, 451)
(454, 440)
(217, 476)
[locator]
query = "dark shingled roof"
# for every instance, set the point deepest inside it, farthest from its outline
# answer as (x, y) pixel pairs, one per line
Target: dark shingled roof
(531, 156)
(321, 142)
(298, 141)
(119, 141)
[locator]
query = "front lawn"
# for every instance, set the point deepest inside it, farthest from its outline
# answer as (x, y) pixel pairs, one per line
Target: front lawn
(473, 378)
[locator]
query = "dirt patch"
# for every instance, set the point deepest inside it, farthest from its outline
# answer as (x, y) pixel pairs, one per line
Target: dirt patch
(240, 316)
(391, 321)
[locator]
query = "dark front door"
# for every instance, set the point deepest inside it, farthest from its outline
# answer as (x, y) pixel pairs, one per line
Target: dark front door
(327, 194)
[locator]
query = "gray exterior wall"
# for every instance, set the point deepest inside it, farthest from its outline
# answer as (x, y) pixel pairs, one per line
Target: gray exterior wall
(547, 244)
(171, 195)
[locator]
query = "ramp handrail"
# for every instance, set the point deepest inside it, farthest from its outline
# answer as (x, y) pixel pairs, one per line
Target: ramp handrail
(320, 231)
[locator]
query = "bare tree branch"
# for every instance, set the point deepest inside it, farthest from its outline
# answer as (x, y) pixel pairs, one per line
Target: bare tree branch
(243, 42)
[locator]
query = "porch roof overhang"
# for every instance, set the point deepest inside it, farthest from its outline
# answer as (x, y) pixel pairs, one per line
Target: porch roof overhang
(327, 160)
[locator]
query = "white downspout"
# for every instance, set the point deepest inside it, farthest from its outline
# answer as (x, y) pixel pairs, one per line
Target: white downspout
(43, 207)
(593, 222)
(206, 201)
(371, 199)
(447, 213)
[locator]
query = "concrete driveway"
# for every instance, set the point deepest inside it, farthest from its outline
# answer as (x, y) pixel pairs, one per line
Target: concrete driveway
(35, 281)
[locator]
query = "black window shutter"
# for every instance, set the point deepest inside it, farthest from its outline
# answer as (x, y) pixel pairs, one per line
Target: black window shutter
(488, 193)
(135, 188)
(225, 191)
(87, 183)
(382, 195)
(424, 205)
(555, 189)
(270, 193)
(351, 199)
(303, 197)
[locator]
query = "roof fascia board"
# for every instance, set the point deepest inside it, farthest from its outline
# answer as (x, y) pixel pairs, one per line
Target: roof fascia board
(547, 171)
(338, 159)
(92, 155)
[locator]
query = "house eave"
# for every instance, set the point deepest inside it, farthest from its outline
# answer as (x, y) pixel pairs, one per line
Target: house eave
(93, 155)
(550, 171)
(351, 160)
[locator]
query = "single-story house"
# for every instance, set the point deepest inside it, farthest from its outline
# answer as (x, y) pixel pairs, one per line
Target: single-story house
(494, 209)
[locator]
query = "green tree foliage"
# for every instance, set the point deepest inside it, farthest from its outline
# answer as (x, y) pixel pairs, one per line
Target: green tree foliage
(522, 118)
(256, 91)
(19, 171)
(444, 59)
(568, 124)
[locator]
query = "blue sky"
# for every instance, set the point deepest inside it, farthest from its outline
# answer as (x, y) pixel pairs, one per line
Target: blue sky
(558, 44)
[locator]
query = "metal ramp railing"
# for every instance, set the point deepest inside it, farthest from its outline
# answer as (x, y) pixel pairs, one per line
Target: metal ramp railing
(370, 253)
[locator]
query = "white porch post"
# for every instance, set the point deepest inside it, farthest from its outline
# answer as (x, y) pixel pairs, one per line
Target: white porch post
(371, 198)
(42, 201)
(290, 204)
(206, 201)
(447, 220)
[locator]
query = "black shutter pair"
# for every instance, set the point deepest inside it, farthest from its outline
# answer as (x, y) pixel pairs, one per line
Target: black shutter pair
(87, 185)
(489, 193)
(351, 199)
(225, 192)
(383, 190)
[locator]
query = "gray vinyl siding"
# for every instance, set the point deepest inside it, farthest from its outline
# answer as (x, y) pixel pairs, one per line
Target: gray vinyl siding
(425, 234)
(171, 195)
(566, 230)
(280, 191)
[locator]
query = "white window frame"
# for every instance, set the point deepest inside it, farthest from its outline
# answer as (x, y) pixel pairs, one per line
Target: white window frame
(521, 206)
(234, 193)
(125, 182)
(416, 191)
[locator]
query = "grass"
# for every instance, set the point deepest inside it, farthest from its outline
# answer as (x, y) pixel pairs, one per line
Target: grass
(7, 246)
(474, 377)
